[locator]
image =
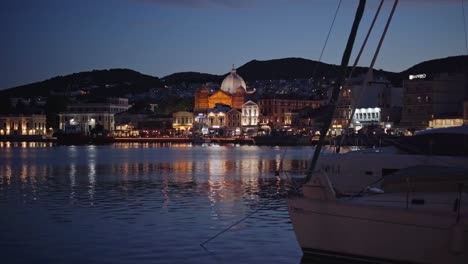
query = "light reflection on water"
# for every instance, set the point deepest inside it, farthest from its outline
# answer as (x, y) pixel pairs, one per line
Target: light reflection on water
(125, 203)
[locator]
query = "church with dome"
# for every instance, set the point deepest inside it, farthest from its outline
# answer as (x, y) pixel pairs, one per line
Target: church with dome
(232, 93)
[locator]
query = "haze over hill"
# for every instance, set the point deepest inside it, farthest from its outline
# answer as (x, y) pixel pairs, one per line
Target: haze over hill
(118, 82)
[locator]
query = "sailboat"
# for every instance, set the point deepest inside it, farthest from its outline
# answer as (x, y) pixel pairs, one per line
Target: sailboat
(416, 211)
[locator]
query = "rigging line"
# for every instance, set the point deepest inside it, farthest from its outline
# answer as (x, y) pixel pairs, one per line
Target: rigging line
(369, 72)
(384, 33)
(326, 41)
(464, 25)
(368, 185)
(356, 61)
(358, 57)
(336, 88)
(235, 223)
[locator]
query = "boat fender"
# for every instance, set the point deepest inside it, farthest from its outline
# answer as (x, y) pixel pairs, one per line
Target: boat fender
(456, 238)
(374, 190)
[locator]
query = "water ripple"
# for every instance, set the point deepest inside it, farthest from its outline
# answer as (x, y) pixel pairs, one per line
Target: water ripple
(154, 204)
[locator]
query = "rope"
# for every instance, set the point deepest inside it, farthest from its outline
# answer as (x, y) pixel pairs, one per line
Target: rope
(243, 219)
(235, 223)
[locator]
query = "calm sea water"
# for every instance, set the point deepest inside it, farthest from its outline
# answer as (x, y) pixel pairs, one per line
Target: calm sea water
(146, 203)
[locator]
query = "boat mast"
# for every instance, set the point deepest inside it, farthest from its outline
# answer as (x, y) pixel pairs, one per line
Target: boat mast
(337, 87)
(369, 74)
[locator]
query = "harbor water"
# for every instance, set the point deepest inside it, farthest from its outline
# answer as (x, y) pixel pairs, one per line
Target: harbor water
(147, 203)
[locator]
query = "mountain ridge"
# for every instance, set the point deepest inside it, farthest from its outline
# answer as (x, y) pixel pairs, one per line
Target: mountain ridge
(123, 81)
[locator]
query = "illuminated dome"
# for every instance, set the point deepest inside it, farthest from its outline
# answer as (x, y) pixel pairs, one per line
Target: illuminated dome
(232, 82)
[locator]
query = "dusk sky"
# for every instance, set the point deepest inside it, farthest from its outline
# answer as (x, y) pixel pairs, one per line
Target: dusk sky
(45, 38)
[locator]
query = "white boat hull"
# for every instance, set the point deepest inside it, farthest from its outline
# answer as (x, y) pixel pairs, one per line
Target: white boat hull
(378, 234)
(354, 171)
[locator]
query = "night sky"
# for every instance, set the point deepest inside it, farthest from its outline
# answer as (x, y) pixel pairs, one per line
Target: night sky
(41, 39)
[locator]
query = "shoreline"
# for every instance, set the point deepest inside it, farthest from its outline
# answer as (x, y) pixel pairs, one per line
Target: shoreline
(376, 141)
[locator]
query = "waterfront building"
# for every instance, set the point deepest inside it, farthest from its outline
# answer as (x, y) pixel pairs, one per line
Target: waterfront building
(201, 100)
(85, 122)
(219, 97)
(159, 125)
(23, 125)
(342, 111)
(84, 117)
(274, 111)
(434, 97)
(250, 113)
(182, 122)
(231, 93)
(216, 117)
(445, 122)
(233, 122)
(367, 116)
(376, 103)
(232, 81)
(112, 105)
(126, 123)
(156, 125)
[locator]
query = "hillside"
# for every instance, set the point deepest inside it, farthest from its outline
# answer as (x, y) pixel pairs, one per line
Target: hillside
(115, 81)
(299, 68)
(191, 77)
(278, 69)
(449, 64)
(286, 69)
(119, 82)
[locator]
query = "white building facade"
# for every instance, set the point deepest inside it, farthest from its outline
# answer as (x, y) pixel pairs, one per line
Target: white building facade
(83, 117)
(250, 113)
(85, 122)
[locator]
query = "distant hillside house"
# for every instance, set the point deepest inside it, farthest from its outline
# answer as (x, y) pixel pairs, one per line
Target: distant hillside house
(15, 100)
